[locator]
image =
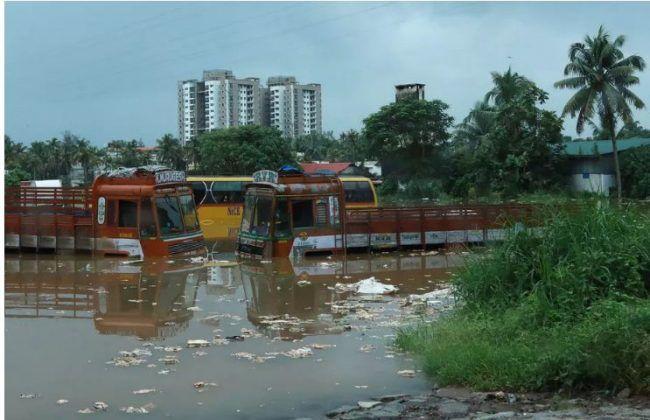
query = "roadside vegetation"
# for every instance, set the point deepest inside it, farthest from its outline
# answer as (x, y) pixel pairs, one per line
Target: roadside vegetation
(565, 309)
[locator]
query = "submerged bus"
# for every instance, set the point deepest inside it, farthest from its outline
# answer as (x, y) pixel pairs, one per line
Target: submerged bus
(290, 214)
(220, 201)
(137, 212)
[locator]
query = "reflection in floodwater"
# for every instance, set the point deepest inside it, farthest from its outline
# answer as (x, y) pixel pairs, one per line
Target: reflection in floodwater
(60, 310)
(148, 300)
(293, 299)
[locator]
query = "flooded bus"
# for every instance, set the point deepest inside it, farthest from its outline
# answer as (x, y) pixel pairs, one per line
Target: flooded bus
(360, 192)
(135, 212)
(290, 214)
(220, 201)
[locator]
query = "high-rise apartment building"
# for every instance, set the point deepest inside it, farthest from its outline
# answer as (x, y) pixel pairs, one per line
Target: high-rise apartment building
(294, 109)
(221, 100)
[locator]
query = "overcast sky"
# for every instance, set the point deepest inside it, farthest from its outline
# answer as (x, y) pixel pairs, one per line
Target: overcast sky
(109, 70)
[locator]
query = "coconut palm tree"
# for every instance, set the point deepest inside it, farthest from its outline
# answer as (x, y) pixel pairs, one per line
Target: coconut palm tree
(170, 152)
(603, 76)
(476, 126)
(509, 85)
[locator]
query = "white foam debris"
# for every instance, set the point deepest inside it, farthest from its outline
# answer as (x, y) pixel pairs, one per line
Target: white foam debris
(197, 343)
(369, 286)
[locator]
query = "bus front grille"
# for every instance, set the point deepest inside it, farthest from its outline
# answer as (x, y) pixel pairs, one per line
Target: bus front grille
(182, 247)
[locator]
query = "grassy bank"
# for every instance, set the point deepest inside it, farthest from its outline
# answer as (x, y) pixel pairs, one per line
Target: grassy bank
(566, 309)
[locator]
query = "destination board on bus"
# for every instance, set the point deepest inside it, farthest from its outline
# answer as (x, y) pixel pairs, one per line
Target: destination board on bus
(265, 176)
(167, 177)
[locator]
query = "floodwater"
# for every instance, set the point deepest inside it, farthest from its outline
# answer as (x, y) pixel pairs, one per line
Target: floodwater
(67, 318)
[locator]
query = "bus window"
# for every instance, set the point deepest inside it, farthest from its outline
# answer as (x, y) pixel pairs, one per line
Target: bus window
(321, 212)
(147, 223)
(302, 213)
(190, 220)
(334, 210)
(169, 215)
(262, 216)
(282, 227)
(111, 213)
(199, 191)
(128, 213)
(358, 192)
(228, 192)
(248, 212)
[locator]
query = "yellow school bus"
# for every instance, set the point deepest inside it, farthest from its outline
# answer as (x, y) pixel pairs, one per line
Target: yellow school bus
(360, 193)
(220, 201)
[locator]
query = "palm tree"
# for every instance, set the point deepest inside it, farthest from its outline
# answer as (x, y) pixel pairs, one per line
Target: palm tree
(476, 126)
(170, 152)
(87, 156)
(509, 86)
(603, 75)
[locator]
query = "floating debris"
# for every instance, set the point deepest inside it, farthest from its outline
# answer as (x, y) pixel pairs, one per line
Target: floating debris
(202, 386)
(317, 346)
(100, 406)
(407, 373)
(302, 283)
(144, 391)
(172, 349)
(367, 348)
(197, 343)
(235, 338)
(194, 309)
(62, 401)
(85, 411)
(28, 396)
(220, 341)
(368, 404)
(298, 353)
(145, 409)
(169, 360)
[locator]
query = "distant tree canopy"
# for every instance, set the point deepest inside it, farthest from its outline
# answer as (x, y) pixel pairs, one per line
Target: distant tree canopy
(407, 136)
(169, 151)
(126, 153)
(49, 159)
(243, 150)
(507, 143)
(316, 146)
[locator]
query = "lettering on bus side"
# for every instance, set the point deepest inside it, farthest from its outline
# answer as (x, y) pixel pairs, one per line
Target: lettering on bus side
(101, 210)
(234, 211)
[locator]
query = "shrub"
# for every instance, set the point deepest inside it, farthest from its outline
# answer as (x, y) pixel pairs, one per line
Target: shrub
(565, 307)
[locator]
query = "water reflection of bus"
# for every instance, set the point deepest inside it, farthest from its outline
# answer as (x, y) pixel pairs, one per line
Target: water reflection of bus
(148, 301)
(220, 201)
(273, 290)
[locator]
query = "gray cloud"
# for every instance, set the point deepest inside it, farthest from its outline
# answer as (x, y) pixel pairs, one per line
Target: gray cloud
(109, 70)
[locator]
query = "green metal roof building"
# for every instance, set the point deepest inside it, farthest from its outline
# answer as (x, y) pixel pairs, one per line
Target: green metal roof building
(592, 164)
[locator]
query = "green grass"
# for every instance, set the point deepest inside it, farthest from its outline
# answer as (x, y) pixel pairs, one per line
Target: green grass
(565, 309)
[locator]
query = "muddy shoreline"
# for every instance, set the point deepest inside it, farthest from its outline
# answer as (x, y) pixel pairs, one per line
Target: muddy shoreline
(462, 403)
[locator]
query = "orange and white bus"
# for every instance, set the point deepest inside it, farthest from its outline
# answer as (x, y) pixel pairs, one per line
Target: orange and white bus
(137, 212)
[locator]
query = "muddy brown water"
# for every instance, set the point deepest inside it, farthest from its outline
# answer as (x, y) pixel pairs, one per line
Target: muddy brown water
(68, 317)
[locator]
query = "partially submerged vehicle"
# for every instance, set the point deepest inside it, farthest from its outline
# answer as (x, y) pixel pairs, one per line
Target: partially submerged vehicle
(293, 214)
(220, 201)
(137, 212)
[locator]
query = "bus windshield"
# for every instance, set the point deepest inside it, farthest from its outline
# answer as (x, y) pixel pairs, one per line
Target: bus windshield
(169, 215)
(189, 213)
(257, 215)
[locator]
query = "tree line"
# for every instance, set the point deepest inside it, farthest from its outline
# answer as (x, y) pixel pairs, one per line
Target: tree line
(507, 144)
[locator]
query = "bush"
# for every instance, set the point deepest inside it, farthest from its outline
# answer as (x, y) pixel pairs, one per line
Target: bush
(567, 307)
(635, 175)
